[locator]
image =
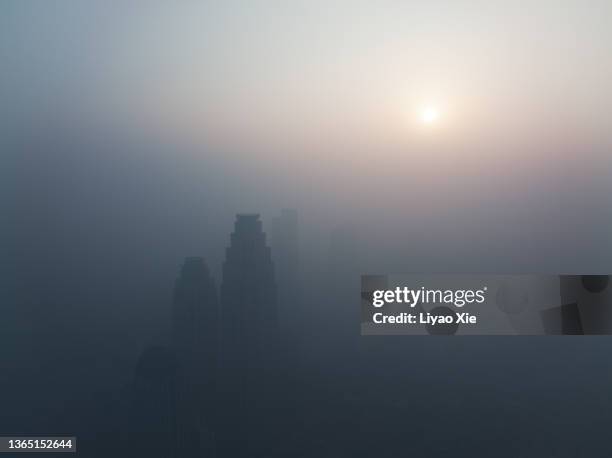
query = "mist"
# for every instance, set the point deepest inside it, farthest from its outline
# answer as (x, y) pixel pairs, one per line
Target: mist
(132, 137)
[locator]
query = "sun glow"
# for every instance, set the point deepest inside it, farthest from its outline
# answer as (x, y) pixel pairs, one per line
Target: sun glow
(429, 115)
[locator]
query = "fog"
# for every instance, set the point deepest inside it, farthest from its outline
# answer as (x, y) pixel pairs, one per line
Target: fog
(132, 136)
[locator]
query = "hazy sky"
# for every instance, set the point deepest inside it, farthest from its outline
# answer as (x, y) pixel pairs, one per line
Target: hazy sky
(320, 102)
(277, 74)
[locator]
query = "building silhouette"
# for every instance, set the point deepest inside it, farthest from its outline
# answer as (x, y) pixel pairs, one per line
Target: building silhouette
(250, 343)
(153, 428)
(284, 241)
(195, 316)
(285, 253)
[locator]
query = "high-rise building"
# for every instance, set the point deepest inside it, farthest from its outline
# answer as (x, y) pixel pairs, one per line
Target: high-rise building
(153, 426)
(250, 341)
(195, 315)
(248, 292)
(284, 243)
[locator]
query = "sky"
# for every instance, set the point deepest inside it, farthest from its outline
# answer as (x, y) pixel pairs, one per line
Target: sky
(267, 73)
(320, 104)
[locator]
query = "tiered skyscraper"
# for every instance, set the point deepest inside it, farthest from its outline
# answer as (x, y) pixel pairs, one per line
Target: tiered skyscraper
(250, 341)
(195, 337)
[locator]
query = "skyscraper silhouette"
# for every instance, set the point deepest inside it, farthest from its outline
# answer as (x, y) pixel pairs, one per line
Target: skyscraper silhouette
(284, 240)
(153, 429)
(284, 243)
(195, 337)
(249, 342)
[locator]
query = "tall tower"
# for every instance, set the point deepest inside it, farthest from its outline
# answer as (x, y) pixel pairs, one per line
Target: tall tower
(248, 291)
(249, 329)
(284, 242)
(195, 316)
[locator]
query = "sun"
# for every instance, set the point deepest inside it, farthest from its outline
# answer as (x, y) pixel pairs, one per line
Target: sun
(429, 115)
